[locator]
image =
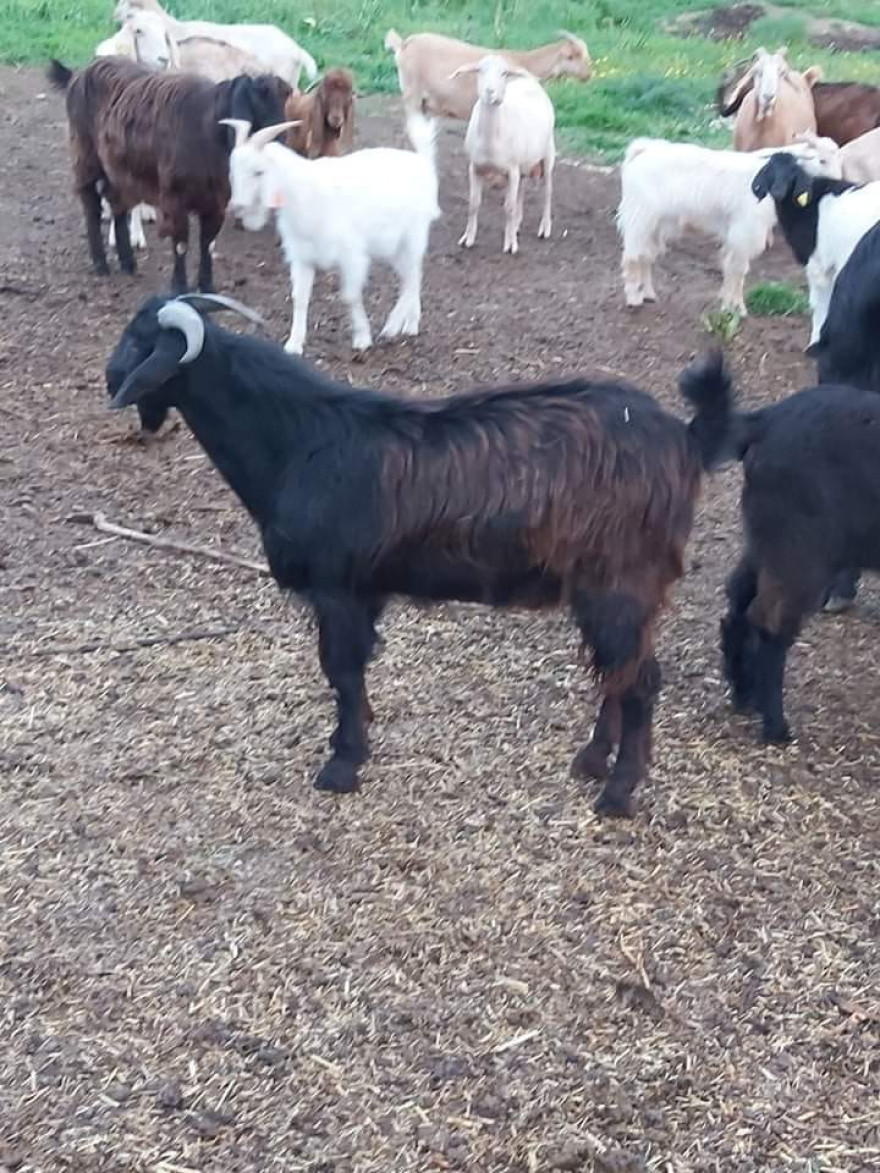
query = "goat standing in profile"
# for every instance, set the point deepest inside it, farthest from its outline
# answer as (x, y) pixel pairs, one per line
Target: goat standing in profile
(577, 494)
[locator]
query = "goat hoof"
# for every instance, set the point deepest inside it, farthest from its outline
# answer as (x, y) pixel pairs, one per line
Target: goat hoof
(101, 269)
(611, 805)
(337, 776)
(776, 733)
(465, 243)
(293, 347)
(589, 762)
(130, 269)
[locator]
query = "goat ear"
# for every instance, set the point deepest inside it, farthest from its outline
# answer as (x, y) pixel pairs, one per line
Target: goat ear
(464, 69)
(153, 372)
(745, 83)
(812, 75)
(516, 71)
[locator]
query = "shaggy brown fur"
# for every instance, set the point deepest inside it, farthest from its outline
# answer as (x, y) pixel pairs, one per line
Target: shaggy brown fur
(141, 136)
(326, 115)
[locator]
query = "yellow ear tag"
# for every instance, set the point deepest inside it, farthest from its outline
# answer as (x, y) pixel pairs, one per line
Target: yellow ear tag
(276, 200)
(803, 199)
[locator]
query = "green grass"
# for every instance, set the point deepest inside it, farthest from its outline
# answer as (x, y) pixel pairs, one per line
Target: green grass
(723, 325)
(776, 299)
(646, 81)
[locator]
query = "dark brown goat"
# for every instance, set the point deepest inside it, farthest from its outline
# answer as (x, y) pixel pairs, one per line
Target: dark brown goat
(141, 136)
(577, 495)
(844, 109)
(326, 117)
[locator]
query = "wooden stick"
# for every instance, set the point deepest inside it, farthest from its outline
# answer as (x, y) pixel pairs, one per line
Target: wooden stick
(100, 522)
(147, 641)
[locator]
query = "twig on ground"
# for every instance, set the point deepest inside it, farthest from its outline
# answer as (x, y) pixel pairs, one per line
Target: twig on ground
(100, 522)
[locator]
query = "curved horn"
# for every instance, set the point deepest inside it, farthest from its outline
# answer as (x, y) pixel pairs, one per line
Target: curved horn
(566, 35)
(241, 127)
(177, 315)
(261, 137)
(214, 303)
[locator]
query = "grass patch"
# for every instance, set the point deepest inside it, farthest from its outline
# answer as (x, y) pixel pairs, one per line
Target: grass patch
(646, 82)
(721, 324)
(776, 299)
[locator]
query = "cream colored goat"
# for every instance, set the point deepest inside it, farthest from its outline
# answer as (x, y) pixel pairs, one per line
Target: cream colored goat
(778, 107)
(509, 137)
(426, 63)
(156, 45)
(275, 50)
(861, 158)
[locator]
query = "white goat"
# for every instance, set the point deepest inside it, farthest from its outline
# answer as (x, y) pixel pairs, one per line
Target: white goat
(425, 64)
(778, 107)
(342, 213)
(861, 157)
(275, 50)
(509, 137)
(669, 189)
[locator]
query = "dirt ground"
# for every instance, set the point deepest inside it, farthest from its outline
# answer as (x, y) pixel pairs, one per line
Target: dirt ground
(206, 965)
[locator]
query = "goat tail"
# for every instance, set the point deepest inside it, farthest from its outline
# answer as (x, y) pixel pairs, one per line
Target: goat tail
(393, 41)
(707, 386)
(59, 75)
(309, 64)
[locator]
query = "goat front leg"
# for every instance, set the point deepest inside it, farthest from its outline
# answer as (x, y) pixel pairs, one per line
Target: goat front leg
(511, 241)
(592, 760)
(346, 638)
(546, 225)
(475, 197)
(209, 226)
(637, 716)
(302, 278)
(407, 310)
(734, 270)
(91, 203)
(354, 276)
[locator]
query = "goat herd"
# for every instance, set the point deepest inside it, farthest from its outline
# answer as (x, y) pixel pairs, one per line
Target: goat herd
(577, 494)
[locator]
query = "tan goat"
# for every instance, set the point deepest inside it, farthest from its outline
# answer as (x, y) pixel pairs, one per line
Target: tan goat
(425, 62)
(778, 107)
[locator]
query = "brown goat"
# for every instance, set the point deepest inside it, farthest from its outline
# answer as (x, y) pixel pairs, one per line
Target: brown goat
(844, 109)
(141, 136)
(326, 117)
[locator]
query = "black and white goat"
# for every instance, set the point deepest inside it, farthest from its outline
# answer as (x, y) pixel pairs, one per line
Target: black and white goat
(576, 494)
(811, 510)
(822, 219)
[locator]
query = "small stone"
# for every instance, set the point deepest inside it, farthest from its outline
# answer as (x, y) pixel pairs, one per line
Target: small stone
(170, 1096)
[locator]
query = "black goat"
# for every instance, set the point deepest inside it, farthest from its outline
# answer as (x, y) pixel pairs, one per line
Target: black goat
(578, 494)
(141, 136)
(811, 509)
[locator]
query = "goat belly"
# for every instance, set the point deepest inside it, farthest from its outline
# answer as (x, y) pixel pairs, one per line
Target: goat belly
(437, 576)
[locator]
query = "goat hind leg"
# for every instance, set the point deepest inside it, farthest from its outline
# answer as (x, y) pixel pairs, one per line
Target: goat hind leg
(739, 637)
(592, 760)
(91, 203)
(407, 310)
(637, 716)
(546, 225)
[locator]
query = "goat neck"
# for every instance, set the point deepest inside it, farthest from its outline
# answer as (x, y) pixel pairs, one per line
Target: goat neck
(243, 402)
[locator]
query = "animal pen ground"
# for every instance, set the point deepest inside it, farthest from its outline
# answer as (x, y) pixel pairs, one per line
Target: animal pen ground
(207, 965)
